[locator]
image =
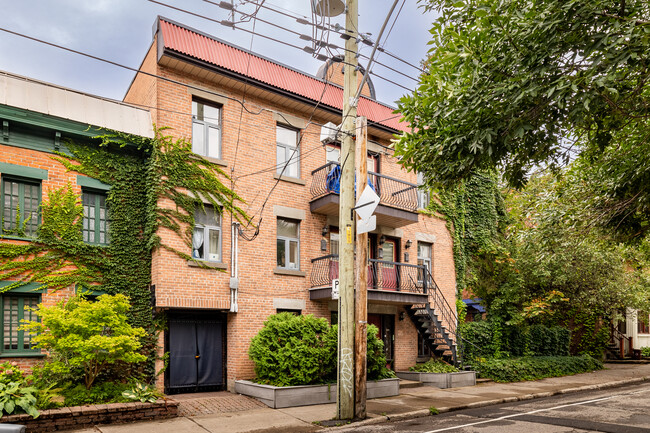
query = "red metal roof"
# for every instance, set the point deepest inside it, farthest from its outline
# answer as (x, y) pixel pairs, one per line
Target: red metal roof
(201, 47)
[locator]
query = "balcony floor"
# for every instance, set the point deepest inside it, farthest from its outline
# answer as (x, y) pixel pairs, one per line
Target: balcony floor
(386, 215)
(374, 296)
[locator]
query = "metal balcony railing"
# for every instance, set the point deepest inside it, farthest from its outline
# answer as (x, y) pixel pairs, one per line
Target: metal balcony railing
(392, 192)
(382, 275)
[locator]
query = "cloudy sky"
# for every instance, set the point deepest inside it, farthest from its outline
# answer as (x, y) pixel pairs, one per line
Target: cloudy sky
(121, 31)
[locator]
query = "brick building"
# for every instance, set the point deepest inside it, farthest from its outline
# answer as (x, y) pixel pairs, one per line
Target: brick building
(271, 147)
(36, 121)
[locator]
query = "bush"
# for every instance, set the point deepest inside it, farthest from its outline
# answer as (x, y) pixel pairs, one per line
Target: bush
(86, 337)
(434, 366)
(107, 392)
(301, 350)
(533, 368)
(645, 351)
(549, 341)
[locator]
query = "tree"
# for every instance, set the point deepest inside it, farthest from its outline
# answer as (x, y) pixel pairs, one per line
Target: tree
(516, 83)
(86, 335)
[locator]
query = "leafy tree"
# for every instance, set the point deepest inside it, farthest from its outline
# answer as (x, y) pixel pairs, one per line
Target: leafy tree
(515, 83)
(87, 336)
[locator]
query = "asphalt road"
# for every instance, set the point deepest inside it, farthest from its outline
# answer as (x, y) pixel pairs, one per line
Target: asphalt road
(614, 410)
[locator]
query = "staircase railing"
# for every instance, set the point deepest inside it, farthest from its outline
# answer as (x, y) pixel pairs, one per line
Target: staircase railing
(442, 307)
(622, 339)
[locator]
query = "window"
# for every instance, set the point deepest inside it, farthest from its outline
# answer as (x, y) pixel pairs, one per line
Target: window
(423, 193)
(95, 220)
(288, 244)
(332, 153)
(287, 151)
(15, 309)
(289, 310)
(642, 324)
(206, 129)
(424, 258)
(206, 240)
(20, 205)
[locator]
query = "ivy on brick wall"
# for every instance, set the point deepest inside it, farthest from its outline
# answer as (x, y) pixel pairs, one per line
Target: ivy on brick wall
(154, 183)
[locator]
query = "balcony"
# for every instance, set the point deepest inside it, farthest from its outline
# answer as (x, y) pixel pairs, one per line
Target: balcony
(388, 282)
(398, 199)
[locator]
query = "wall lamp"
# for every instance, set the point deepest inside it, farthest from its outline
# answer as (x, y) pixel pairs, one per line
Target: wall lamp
(408, 244)
(325, 231)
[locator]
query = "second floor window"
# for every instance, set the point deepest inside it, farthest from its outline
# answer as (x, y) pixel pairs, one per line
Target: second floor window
(287, 152)
(20, 207)
(206, 129)
(424, 259)
(423, 193)
(288, 244)
(206, 240)
(95, 219)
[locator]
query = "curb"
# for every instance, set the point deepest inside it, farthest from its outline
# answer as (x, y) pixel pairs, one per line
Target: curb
(425, 412)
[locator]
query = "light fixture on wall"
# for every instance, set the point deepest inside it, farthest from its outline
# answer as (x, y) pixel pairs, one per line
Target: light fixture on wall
(408, 244)
(382, 239)
(402, 316)
(325, 230)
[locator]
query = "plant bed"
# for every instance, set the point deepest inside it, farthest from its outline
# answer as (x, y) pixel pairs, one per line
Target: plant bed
(440, 380)
(278, 397)
(76, 417)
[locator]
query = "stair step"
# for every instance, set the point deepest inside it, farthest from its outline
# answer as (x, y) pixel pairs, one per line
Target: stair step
(483, 380)
(405, 384)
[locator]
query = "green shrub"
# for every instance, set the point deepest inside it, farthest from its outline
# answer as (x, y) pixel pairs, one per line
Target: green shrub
(434, 366)
(15, 397)
(142, 393)
(533, 368)
(301, 350)
(9, 372)
(107, 392)
(645, 351)
(87, 336)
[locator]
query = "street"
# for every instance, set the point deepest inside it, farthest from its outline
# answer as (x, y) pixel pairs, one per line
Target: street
(616, 410)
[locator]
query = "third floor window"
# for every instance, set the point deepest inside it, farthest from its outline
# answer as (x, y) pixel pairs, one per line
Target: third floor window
(287, 152)
(206, 129)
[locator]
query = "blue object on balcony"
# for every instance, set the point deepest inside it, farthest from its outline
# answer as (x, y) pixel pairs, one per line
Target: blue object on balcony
(333, 181)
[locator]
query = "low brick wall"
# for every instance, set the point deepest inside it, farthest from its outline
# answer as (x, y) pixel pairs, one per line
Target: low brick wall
(68, 418)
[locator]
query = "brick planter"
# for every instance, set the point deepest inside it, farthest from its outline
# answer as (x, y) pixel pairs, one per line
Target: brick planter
(289, 396)
(440, 380)
(69, 418)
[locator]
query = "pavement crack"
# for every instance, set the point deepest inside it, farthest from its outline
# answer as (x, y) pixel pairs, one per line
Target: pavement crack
(195, 422)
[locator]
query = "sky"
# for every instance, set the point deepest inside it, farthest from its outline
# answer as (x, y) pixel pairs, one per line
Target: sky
(121, 31)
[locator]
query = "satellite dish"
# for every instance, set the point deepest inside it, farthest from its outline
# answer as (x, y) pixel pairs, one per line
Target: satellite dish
(328, 8)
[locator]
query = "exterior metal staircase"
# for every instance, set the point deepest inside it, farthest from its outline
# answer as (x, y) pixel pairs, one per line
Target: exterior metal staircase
(437, 323)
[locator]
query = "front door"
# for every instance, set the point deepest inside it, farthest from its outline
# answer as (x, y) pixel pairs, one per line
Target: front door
(196, 349)
(385, 323)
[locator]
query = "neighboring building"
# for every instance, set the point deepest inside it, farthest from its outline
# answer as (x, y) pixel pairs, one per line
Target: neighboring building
(36, 120)
(272, 150)
(630, 334)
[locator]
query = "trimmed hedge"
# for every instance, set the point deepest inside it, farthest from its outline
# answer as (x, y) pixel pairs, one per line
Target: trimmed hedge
(489, 339)
(301, 350)
(533, 368)
(434, 366)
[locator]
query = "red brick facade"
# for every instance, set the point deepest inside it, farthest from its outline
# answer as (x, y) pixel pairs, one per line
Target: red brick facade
(248, 156)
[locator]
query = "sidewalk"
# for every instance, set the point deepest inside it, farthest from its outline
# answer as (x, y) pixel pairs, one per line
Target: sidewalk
(205, 413)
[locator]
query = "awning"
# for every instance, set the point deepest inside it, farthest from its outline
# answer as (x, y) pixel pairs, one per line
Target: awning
(474, 303)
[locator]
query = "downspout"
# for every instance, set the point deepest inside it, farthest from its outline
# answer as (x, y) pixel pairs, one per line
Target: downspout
(234, 268)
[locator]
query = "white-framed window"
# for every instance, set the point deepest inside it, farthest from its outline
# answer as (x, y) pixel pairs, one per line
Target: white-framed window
(206, 129)
(332, 153)
(288, 244)
(287, 151)
(425, 251)
(423, 193)
(206, 240)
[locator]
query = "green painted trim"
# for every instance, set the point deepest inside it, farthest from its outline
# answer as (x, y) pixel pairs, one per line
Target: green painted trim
(89, 182)
(80, 290)
(46, 121)
(35, 354)
(22, 171)
(26, 288)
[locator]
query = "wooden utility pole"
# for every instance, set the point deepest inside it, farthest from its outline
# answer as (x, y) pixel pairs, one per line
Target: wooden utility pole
(345, 372)
(361, 282)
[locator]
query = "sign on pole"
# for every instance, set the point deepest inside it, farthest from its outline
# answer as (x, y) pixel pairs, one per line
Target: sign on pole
(367, 203)
(335, 288)
(365, 226)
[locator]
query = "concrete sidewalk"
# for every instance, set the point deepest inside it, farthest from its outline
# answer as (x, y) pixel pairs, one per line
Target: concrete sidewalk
(411, 403)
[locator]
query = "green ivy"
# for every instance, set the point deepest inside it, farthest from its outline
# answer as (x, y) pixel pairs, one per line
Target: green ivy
(142, 173)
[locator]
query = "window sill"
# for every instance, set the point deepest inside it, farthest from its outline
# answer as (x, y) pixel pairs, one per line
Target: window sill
(290, 179)
(17, 238)
(292, 272)
(217, 161)
(211, 265)
(23, 355)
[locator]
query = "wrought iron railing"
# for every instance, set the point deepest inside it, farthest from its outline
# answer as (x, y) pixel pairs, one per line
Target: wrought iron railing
(392, 192)
(382, 275)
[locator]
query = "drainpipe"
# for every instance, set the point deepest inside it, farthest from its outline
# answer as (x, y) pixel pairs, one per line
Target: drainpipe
(234, 267)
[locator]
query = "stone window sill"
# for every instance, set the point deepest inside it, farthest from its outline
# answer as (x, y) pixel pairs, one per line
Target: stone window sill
(23, 355)
(212, 265)
(289, 179)
(217, 161)
(292, 272)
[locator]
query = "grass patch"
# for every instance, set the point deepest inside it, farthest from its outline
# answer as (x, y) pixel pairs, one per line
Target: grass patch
(533, 368)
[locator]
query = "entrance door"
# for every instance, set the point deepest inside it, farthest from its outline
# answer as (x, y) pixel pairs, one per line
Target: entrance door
(196, 348)
(385, 323)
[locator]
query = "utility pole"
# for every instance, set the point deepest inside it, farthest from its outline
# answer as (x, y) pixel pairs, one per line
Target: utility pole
(361, 283)
(345, 374)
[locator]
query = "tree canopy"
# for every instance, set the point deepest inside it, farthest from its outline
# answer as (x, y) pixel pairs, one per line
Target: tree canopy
(515, 84)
